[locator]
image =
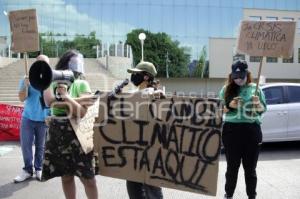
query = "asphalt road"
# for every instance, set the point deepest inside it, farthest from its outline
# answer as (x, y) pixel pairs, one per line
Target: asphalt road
(278, 178)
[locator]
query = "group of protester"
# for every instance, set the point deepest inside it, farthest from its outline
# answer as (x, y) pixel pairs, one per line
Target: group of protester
(58, 152)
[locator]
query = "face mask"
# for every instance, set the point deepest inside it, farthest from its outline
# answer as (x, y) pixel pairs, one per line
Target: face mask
(137, 79)
(76, 64)
(240, 82)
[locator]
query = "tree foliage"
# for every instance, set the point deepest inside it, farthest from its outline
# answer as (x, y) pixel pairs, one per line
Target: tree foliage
(199, 71)
(156, 47)
(53, 46)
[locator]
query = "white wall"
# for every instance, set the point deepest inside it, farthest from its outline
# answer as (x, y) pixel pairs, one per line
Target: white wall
(202, 87)
(220, 56)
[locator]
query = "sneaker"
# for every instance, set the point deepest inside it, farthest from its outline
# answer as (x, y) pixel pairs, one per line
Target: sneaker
(23, 176)
(38, 175)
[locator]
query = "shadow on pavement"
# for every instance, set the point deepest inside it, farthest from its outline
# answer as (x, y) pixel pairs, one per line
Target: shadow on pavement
(8, 189)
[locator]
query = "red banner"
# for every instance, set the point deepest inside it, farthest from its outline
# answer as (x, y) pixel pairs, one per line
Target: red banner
(10, 119)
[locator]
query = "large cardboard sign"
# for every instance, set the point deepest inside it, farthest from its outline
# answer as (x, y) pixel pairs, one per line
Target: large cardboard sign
(267, 38)
(172, 142)
(10, 120)
(24, 31)
(83, 127)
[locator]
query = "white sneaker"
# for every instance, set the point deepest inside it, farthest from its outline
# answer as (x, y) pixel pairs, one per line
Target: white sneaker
(23, 176)
(38, 175)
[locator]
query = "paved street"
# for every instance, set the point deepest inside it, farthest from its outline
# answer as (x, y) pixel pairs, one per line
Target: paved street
(278, 171)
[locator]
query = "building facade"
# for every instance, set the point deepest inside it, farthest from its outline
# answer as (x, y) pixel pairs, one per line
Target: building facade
(222, 51)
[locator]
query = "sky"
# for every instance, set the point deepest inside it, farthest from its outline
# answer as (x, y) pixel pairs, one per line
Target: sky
(191, 22)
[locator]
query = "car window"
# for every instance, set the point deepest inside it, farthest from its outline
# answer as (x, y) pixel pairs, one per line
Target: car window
(294, 94)
(274, 95)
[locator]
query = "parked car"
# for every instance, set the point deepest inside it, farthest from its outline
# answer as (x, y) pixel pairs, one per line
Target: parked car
(281, 122)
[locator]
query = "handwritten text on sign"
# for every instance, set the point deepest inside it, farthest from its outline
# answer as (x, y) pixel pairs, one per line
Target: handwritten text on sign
(171, 142)
(10, 119)
(24, 30)
(267, 38)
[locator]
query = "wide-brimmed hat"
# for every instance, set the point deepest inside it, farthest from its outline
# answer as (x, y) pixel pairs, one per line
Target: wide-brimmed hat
(144, 66)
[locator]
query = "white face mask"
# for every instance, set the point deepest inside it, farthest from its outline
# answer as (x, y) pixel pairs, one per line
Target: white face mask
(240, 82)
(76, 63)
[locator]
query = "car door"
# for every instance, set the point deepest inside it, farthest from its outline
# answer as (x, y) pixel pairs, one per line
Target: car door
(294, 112)
(275, 119)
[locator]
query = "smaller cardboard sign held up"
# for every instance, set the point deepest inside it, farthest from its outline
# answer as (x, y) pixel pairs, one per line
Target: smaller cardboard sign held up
(24, 31)
(83, 127)
(267, 38)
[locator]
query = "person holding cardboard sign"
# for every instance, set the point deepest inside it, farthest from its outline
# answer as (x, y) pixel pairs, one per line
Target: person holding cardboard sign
(241, 134)
(64, 156)
(142, 76)
(33, 128)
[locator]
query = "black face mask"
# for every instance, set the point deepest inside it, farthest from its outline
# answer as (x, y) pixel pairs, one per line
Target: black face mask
(137, 78)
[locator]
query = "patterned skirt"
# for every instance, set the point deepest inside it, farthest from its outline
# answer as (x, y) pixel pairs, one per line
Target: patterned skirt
(64, 155)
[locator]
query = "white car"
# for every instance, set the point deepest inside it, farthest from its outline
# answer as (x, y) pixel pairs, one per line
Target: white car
(281, 122)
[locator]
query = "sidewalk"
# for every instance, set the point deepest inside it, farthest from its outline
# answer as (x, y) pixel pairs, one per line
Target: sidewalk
(278, 172)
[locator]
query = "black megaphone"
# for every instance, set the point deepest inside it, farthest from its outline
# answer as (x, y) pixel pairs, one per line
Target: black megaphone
(41, 75)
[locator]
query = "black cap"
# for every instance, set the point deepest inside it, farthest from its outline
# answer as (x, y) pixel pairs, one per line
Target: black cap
(239, 69)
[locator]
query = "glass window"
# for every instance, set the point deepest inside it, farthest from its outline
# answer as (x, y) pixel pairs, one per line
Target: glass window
(288, 60)
(287, 19)
(255, 18)
(294, 94)
(255, 58)
(272, 59)
(271, 18)
(274, 95)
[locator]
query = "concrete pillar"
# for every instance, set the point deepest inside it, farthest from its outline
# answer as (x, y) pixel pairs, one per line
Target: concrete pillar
(9, 52)
(107, 48)
(106, 64)
(130, 52)
(97, 51)
(122, 50)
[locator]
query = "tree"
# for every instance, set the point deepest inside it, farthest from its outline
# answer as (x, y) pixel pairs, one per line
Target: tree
(156, 47)
(53, 47)
(201, 63)
(86, 45)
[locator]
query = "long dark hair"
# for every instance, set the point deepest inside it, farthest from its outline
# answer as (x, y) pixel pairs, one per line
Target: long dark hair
(232, 89)
(63, 63)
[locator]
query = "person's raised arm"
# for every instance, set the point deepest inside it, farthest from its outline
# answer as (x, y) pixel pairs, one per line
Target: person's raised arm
(23, 92)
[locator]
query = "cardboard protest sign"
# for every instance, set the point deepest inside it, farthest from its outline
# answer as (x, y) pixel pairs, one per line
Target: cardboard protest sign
(24, 31)
(171, 142)
(267, 38)
(10, 120)
(83, 127)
